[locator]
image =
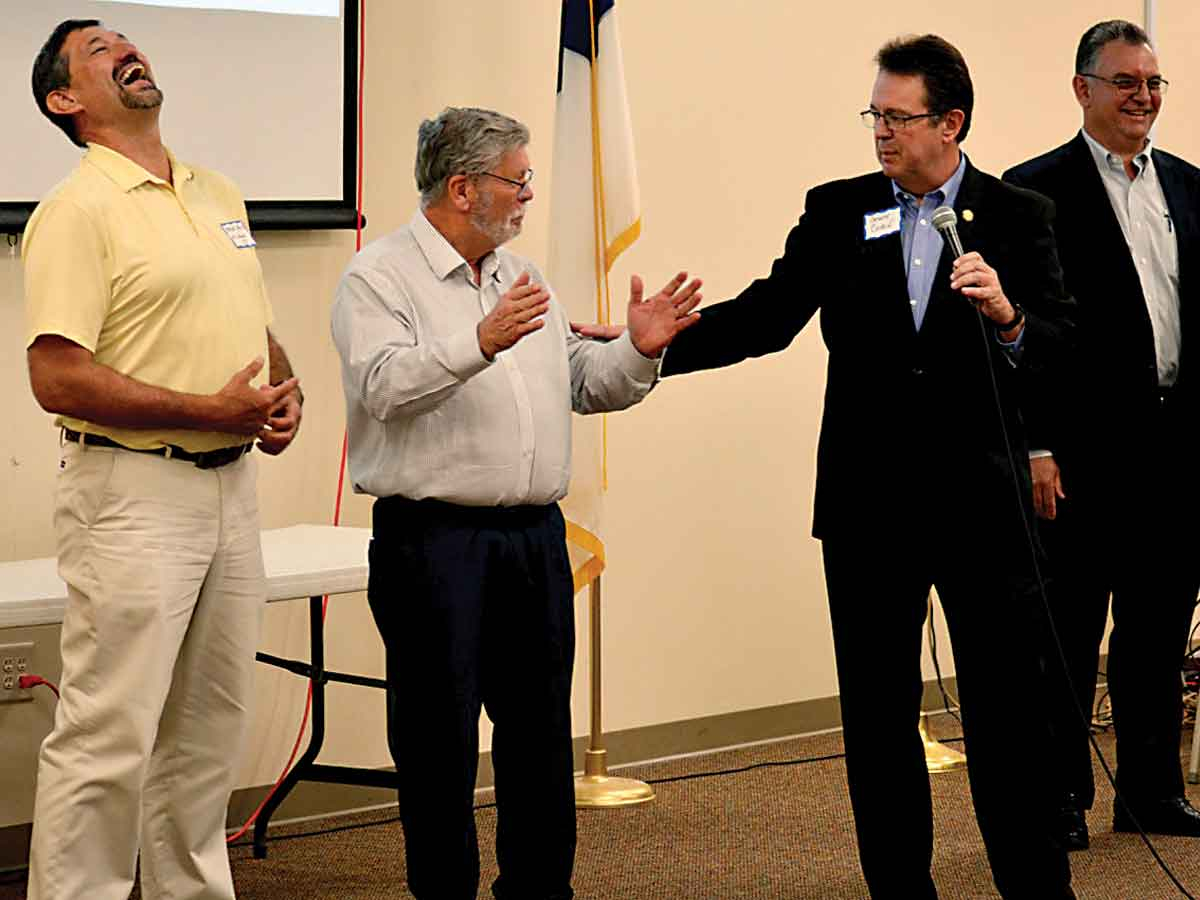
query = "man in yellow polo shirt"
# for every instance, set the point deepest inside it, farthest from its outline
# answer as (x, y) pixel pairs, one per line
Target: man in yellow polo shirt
(147, 335)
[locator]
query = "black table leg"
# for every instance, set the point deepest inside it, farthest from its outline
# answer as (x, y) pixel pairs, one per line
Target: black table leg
(316, 677)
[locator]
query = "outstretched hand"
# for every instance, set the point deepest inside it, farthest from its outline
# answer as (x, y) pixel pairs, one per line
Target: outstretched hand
(597, 331)
(654, 323)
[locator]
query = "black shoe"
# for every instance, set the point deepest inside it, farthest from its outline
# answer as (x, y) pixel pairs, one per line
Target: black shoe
(1072, 825)
(1173, 815)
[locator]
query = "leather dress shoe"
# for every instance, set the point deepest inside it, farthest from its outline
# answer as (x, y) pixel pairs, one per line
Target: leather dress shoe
(1173, 815)
(1072, 830)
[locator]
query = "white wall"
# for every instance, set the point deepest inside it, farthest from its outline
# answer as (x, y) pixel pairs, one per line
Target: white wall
(714, 597)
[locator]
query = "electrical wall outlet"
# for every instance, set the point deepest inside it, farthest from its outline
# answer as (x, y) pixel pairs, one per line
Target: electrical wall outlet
(14, 662)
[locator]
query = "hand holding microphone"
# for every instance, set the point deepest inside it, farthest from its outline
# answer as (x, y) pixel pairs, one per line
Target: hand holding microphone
(976, 280)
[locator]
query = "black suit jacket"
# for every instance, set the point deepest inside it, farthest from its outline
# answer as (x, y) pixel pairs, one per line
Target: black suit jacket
(910, 424)
(1098, 413)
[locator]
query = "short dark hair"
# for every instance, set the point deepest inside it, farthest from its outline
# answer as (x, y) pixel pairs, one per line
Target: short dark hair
(1099, 35)
(941, 67)
(52, 72)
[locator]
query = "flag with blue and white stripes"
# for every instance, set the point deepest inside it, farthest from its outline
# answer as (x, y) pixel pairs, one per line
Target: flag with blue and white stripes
(595, 206)
(595, 209)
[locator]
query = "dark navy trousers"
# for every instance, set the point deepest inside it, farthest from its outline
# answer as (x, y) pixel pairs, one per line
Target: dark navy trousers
(475, 608)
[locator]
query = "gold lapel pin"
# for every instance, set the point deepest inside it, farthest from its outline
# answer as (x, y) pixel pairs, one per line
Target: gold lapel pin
(968, 216)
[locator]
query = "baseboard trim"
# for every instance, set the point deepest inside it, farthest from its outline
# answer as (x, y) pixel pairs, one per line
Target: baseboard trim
(14, 846)
(627, 747)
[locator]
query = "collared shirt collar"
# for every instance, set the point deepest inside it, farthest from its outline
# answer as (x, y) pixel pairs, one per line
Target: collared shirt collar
(127, 174)
(443, 259)
(944, 195)
(1106, 159)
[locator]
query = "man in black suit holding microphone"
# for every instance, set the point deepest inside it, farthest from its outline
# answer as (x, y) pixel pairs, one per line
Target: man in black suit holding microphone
(1113, 467)
(915, 485)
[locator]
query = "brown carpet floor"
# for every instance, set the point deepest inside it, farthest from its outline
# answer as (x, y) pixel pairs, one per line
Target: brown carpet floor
(782, 833)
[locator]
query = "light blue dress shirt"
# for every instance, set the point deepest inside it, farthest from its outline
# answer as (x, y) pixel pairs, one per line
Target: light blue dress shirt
(921, 241)
(922, 247)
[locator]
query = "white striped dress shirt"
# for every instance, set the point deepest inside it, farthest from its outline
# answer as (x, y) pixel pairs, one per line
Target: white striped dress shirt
(1141, 208)
(428, 415)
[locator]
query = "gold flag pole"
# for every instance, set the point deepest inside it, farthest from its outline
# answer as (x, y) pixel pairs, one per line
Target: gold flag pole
(595, 787)
(938, 757)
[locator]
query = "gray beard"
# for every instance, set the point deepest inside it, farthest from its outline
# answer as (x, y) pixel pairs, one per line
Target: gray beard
(145, 100)
(498, 233)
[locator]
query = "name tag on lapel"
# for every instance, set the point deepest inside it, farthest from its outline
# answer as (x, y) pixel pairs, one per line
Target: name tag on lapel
(881, 224)
(239, 234)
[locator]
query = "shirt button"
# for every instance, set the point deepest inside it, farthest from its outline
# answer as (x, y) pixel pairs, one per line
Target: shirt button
(917, 262)
(923, 222)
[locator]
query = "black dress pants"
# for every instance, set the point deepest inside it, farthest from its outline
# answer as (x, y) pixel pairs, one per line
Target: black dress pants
(1129, 538)
(474, 605)
(878, 591)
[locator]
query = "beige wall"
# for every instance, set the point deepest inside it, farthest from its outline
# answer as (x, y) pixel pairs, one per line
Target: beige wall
(714, 594)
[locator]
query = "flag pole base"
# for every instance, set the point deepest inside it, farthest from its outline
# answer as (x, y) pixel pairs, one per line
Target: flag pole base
(939, 757)
(596, 788)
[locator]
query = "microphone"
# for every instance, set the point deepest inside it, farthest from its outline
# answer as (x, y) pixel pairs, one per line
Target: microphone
(945, 220)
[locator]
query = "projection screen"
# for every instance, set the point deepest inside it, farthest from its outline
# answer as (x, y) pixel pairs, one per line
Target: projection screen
(264, 91)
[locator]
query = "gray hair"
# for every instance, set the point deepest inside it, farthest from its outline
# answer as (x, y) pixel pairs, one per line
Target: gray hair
(1101, 34)
(462, 141)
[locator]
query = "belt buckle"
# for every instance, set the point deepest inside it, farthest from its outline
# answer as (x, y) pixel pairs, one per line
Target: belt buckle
(214, 459)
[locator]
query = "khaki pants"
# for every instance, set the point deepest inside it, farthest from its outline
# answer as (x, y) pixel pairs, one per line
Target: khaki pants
(166, 588)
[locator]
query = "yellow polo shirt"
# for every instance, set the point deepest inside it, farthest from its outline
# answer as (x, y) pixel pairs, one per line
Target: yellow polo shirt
(143, 275)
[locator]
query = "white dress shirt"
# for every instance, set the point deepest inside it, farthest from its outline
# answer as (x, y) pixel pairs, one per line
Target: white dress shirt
(1141, 208)
(428, 415)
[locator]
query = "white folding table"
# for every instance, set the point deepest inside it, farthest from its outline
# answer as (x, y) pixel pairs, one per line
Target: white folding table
(301, 561)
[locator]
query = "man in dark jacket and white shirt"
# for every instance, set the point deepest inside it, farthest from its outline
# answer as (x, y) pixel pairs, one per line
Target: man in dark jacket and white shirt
(1113, 452)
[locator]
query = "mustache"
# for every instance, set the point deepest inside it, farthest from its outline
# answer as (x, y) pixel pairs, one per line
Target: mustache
(130, 65)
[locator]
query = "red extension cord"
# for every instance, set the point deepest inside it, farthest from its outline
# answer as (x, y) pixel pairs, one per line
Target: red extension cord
(337, 507)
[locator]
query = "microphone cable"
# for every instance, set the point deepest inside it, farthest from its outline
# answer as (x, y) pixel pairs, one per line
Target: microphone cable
(1053, 630)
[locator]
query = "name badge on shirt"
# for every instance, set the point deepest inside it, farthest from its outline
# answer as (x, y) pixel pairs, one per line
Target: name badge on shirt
(240, 234)
(881, 224)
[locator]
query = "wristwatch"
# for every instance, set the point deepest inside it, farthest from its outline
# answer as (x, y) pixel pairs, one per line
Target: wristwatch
(1017, 319)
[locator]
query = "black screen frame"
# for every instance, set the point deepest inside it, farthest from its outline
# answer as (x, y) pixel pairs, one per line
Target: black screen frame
(283, 215)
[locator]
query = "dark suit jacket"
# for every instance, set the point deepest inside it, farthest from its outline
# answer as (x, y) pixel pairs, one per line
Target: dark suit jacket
(910, 424)
(1098, 414)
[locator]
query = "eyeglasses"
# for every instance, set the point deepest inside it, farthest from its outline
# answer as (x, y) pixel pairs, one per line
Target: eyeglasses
(893, 121)
(521, 185)
(1123, 84)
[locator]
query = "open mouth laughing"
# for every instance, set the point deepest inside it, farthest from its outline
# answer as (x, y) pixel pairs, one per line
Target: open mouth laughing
(131, 73)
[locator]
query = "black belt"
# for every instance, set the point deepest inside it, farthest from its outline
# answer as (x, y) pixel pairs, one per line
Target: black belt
(206, 459)
(397, 513)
